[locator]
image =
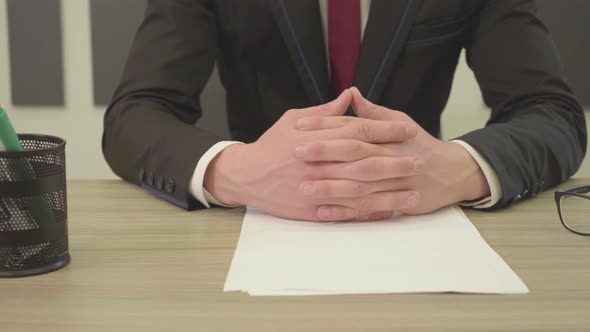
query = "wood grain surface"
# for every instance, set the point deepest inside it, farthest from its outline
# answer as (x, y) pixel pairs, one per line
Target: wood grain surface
(141, 264)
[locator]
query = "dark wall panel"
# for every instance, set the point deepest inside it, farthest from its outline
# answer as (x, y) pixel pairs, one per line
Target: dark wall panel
(114, 24)
(35, 44)
(569, 24)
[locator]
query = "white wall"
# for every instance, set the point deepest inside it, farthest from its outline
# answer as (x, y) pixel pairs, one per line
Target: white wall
(80, 121)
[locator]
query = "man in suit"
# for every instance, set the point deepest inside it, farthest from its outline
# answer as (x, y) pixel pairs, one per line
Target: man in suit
(293, 71)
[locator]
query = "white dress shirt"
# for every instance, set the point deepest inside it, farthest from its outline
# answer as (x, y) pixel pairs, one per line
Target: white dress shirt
(200, 193)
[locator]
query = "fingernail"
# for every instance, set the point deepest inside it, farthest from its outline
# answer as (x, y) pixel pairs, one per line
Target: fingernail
(300, 151)
(324, 212)
(308, 189)
(412, 201)
(302, 124)
(418, 165)
(411, 130)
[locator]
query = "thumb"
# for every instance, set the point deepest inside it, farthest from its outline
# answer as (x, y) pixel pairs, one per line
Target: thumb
(366, 109)
(338, 106)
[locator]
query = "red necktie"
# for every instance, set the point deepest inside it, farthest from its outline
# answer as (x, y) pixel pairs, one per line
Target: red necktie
(344, 40)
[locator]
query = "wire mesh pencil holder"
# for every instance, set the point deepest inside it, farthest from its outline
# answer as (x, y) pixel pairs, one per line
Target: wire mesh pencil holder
(33, 208)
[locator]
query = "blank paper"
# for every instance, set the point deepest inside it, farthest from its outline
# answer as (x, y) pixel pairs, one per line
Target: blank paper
(438, 252)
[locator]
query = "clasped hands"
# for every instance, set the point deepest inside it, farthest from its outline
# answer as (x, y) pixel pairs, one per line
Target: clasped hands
(317, 164)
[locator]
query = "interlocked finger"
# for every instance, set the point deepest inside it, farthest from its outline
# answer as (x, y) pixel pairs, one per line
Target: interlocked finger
(368, 169)
(344, 188)
(366, 130)
(341, 150)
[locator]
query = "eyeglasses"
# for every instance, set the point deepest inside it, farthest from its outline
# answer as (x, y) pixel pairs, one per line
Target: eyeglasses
(573, 206)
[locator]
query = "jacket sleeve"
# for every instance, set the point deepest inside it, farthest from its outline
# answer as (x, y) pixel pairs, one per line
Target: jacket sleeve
(536, 135)
(149, 135)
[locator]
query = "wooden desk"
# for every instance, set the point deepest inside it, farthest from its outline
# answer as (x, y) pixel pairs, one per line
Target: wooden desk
(141, 264)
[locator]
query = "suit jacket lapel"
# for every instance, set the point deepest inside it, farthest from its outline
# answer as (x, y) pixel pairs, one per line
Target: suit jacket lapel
(301, 27)
(385, 34)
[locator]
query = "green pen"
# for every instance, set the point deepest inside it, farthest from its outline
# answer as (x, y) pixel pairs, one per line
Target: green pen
(8, 139)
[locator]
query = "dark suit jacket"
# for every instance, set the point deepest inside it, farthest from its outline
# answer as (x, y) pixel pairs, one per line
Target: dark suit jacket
(271, 57)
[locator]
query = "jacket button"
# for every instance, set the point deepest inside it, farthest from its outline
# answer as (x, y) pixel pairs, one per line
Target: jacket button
(170, 185)
(150, 178)
(141, 175)
(160, 183)
(537, 188)
(517, 198)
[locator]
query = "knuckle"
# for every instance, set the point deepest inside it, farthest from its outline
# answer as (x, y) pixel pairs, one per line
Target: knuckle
(290, 112)
(358, 188)
(346, 119)
(402, 166)
(315, 122)
(400, 115)
(355, 148)
(363, 203)
(375, 168)
(322, 189)
(370, 169)
(395, 202)
(387, 168)
(339, 213)
(365, 170)
(310, 171)
(362, 216)
(408, 166)
(359, 217)
(407, 117)
(315, 150)
(312, 214)
(365, 132)
(395, 131)
(361, 169)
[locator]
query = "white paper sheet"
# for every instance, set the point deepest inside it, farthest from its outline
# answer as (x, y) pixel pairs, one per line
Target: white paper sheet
(437, 252)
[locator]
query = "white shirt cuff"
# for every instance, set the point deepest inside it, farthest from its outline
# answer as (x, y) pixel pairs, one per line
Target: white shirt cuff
(196, 183)
(491, 178)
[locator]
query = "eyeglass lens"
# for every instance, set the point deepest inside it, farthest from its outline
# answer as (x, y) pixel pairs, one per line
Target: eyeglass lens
(575, 213)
